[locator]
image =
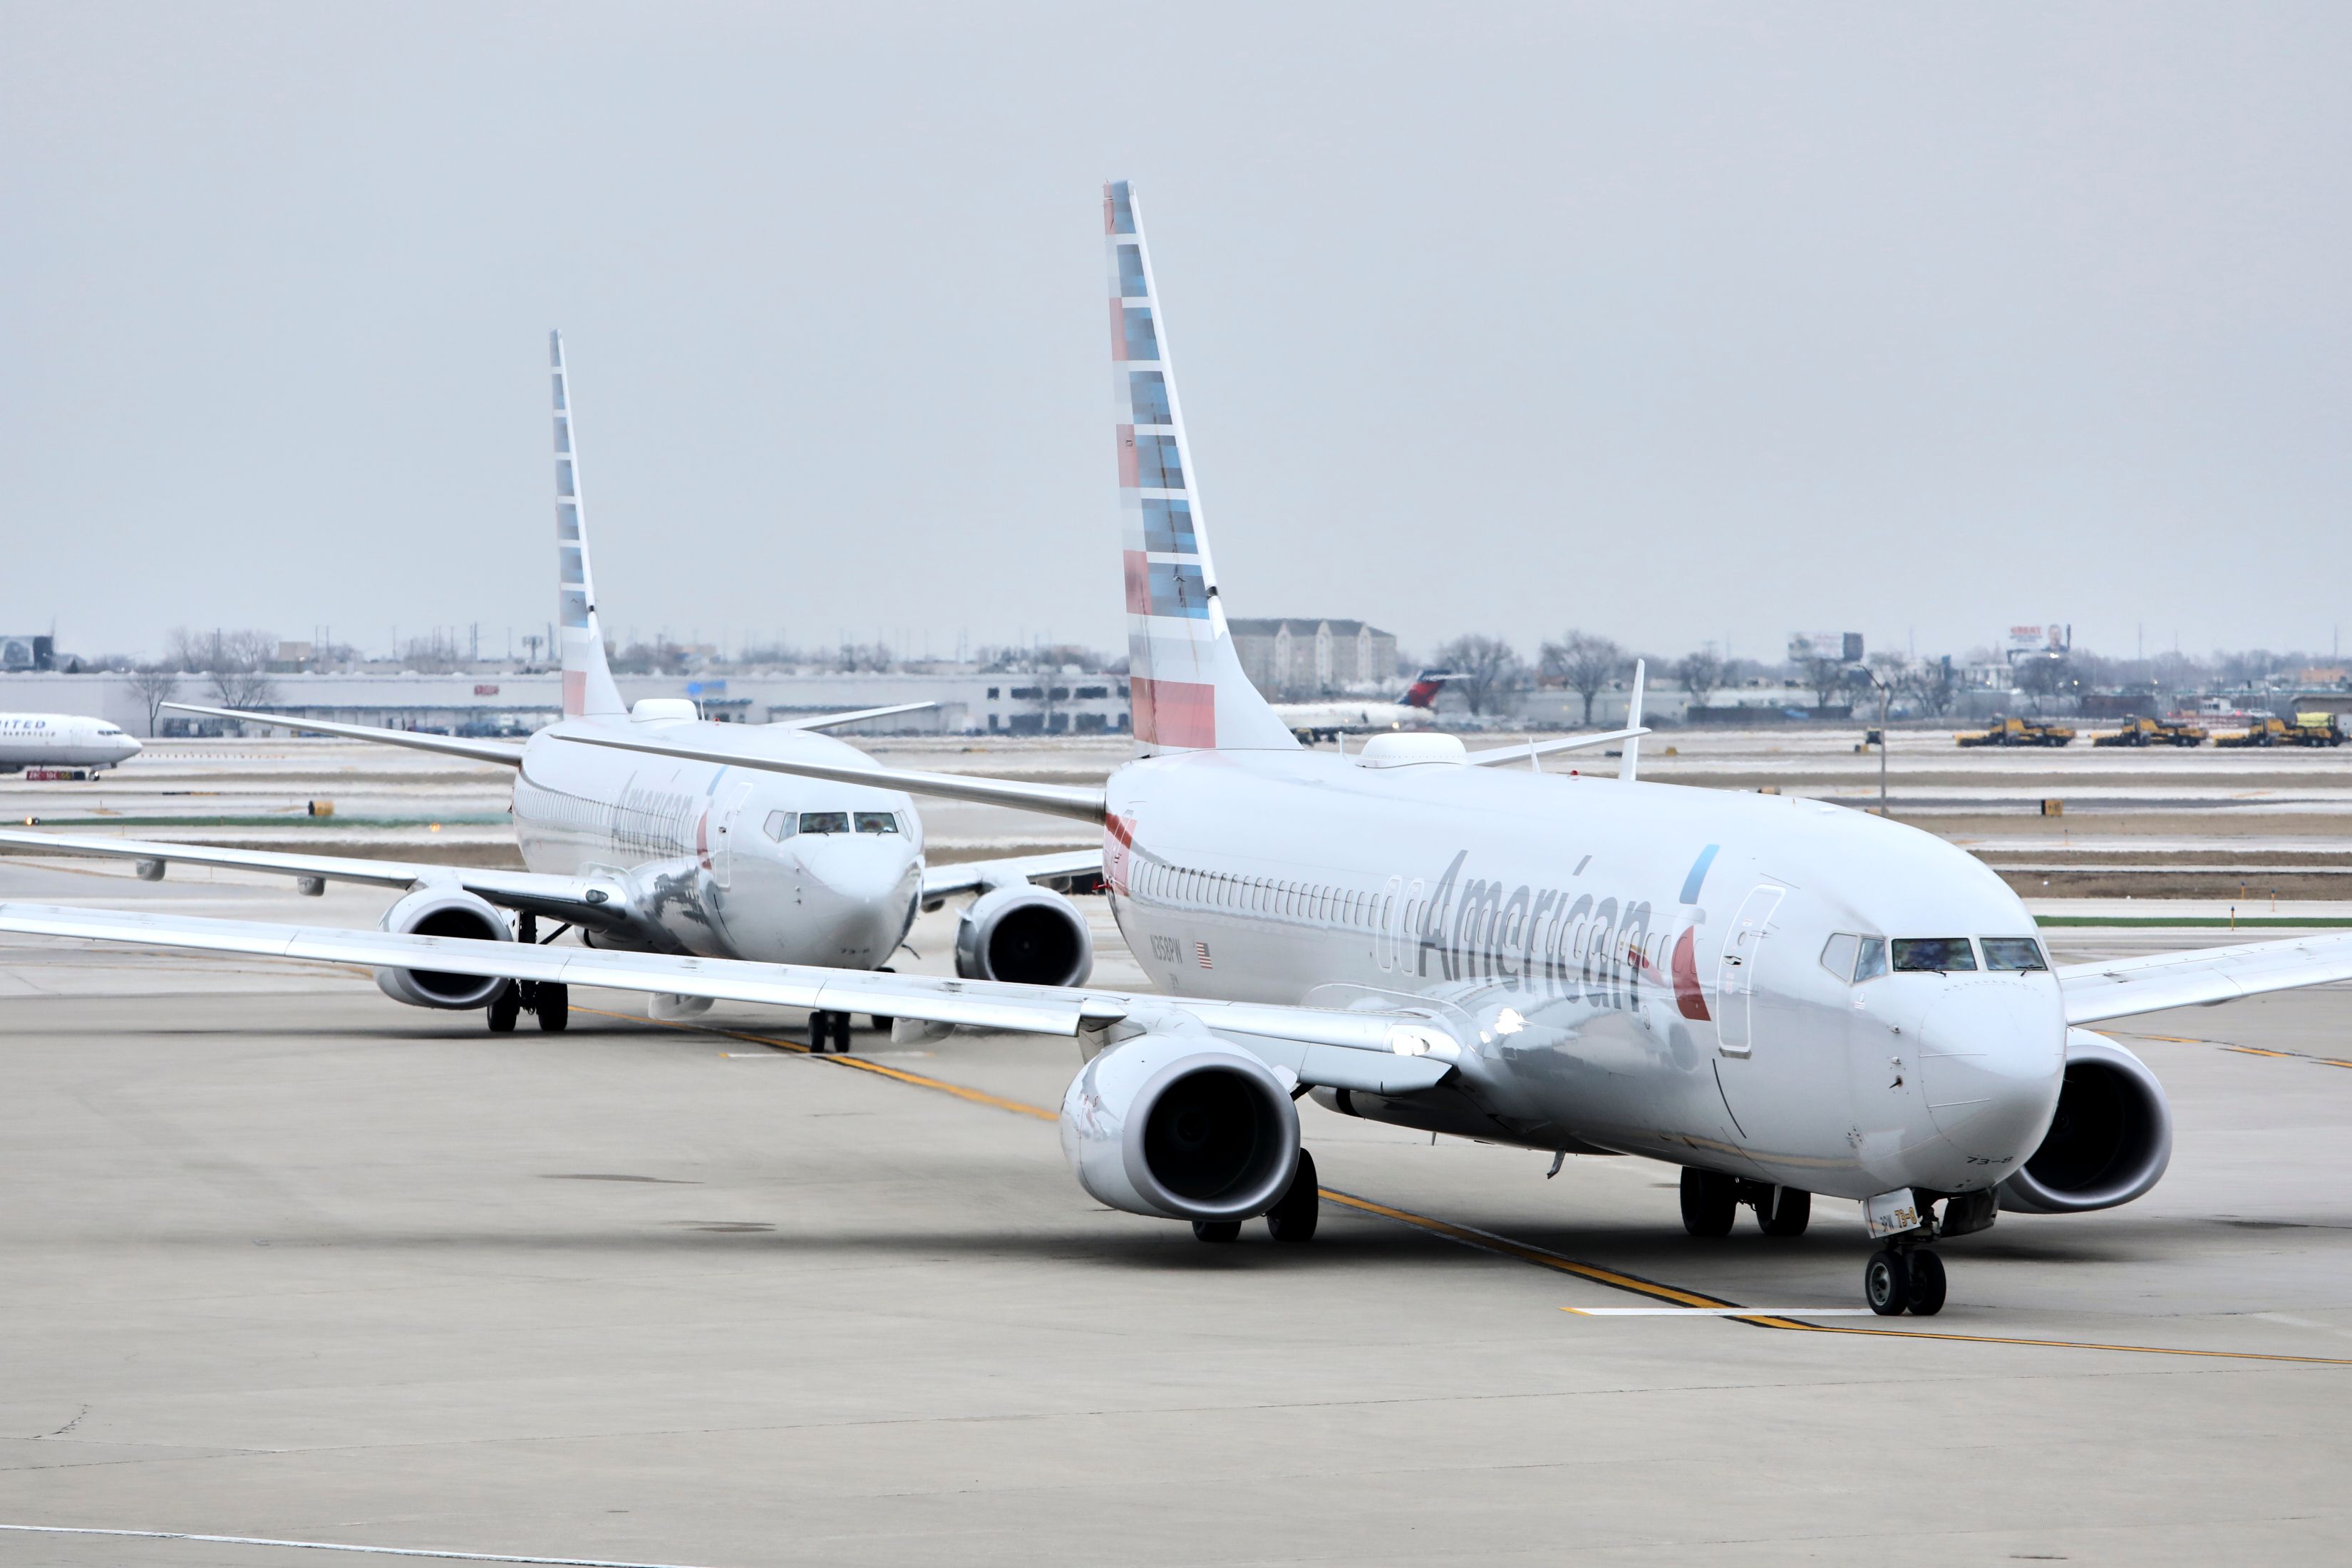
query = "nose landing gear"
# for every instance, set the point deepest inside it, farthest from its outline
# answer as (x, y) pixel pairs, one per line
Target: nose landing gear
(1904, 1279)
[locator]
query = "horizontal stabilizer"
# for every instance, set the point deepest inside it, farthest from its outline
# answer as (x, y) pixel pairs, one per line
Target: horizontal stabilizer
(854, 716)
(1055, 800)
(1499, 755)
(508, 752)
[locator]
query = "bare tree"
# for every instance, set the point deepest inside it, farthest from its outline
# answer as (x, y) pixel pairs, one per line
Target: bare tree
(237, 662)
(1932, 684)
(1483, 668)
(1585, 664)
(1825, 677)
(244, 688)
(155, 684)
(1698, 674)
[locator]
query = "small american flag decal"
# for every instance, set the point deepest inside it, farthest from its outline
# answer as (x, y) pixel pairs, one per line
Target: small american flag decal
(1201, 952)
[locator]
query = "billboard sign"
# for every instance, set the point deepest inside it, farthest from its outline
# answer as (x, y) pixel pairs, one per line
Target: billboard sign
(26, 652)
(1843, 647)
(2051, 638)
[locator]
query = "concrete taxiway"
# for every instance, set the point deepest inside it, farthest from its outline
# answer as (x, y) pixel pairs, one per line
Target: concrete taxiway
(286, 1261)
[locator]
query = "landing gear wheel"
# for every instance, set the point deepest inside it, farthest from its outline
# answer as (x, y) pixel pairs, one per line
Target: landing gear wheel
(841, 1032)
(1217, 1230)
(1710, 1201)
(505, 1008)
(881, 1025)
(553, 1006)
(1292, 1218)
(820, 1026)
(1926, 1295)
(1886, 1282)
(1786, 1213)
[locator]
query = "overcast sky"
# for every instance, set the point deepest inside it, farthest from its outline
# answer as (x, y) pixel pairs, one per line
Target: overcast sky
(1676, 323)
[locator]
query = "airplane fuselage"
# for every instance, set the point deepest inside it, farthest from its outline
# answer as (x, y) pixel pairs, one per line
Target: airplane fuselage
(727, 862)
(62, 740)
(1644, 968)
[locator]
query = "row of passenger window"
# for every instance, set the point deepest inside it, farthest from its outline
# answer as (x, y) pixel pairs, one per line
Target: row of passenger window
(1333, 906)
(783, 825)
(1859, 958)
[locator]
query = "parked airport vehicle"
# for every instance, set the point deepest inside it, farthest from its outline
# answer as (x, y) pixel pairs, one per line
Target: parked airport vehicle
(2146, 732)
(2303, 730)
(61, 740)
(1782, 997)
(1327, 720)
(2019, 732)
(661, 857)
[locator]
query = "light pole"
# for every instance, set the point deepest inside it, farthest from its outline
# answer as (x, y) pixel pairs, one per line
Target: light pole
(1866, 673)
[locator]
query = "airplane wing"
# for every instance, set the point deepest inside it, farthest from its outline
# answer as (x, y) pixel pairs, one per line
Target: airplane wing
(832, 720)
(1056, 800)
(1375, 1052)
(1500, 755)
(506, 751)
(2122, 987)
(598, 904)
(972, 875)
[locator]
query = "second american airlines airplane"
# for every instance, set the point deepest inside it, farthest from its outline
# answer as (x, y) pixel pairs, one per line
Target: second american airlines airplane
(658, 855)
(1782, 997)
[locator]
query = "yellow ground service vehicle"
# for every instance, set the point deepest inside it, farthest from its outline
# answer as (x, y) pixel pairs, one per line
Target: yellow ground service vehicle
(2153, 732)
(2317, 729)
(2260, 732)
(2019, 732)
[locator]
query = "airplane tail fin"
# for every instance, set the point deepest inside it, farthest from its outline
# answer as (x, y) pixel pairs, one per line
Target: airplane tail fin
(1422, 693)
(1189, 692)
(587, 681)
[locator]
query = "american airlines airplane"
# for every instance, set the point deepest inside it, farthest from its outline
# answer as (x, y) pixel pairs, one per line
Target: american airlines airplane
(62, 740)
(658, 855)
(1327, 720)
(1782, 997)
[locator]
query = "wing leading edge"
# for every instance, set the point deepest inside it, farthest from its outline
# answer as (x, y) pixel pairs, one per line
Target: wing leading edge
(2118, 989)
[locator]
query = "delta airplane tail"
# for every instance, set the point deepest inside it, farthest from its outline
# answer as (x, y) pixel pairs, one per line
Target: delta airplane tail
(587, 682)
(1187, 689)
(1422, 693)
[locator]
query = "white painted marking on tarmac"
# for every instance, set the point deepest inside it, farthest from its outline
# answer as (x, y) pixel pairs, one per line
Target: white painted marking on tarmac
(333, 1546)
(1722, 1312)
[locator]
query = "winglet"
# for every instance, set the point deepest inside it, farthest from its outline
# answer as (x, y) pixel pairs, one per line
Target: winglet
(1185, 680)
(1633, 721)
(587, 681)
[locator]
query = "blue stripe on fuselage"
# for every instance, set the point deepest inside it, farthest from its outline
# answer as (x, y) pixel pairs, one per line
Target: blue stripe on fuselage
(1697, 877)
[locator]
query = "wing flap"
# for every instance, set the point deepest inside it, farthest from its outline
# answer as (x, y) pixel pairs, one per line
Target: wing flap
(2095, 992)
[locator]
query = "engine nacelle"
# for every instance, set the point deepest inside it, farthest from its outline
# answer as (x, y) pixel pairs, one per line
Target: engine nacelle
(1180, 1126)
(1025, 934)
(443, 912)
(2109, 1142)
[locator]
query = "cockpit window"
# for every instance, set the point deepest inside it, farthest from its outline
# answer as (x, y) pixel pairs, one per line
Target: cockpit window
(1838, 954)
(1937, 955)
(780, 826)
(1873, 963)
(877, 821)
(825, 822)
(2013, 953)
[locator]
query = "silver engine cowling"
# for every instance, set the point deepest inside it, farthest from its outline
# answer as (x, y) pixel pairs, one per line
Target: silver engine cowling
(2109, 1142)
(1180, 1126)
(443, 912)
(1024, 934)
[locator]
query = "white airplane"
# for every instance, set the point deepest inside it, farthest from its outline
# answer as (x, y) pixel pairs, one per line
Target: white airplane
(1782, 997)
(62, 740)
(1330, 720)
(656, 856)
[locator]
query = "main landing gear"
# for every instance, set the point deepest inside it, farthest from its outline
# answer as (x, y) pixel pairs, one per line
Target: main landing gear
(551, 1004)
(824, 1027)
(1291, 1220)
(1900, 1280)
(1712, 1201)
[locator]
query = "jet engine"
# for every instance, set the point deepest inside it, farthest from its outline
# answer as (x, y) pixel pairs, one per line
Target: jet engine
(2109, 1142)
(443, 912)
(1028, 935)
(1180, 1126)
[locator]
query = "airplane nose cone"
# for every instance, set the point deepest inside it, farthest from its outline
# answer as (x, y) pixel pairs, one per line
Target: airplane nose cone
(1992, 1053)
(862, 873)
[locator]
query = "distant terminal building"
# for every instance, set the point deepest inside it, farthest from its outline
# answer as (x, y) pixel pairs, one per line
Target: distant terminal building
(1293, 658)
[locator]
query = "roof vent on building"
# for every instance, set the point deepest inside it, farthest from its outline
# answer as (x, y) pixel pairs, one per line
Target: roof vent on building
(1405, 749)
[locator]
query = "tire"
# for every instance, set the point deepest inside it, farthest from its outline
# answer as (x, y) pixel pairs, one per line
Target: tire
(1926, 1294)
(505, 1008)
(1886, 1282)
(818, 1025)
(1216, 1230)
(1710, 1201)
(841, 1033)
(1790, 1210)
(881, 1024)
(1293, 1216)
(554, 1009)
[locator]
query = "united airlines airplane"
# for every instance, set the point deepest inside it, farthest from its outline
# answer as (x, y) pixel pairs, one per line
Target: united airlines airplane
(63, 741)
(658, 855)
(1783, 998)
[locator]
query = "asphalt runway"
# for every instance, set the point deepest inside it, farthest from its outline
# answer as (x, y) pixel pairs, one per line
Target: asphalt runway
(288, 1262)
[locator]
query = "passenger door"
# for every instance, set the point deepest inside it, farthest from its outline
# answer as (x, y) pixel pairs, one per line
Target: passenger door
(726, 815)
(1735, 972)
